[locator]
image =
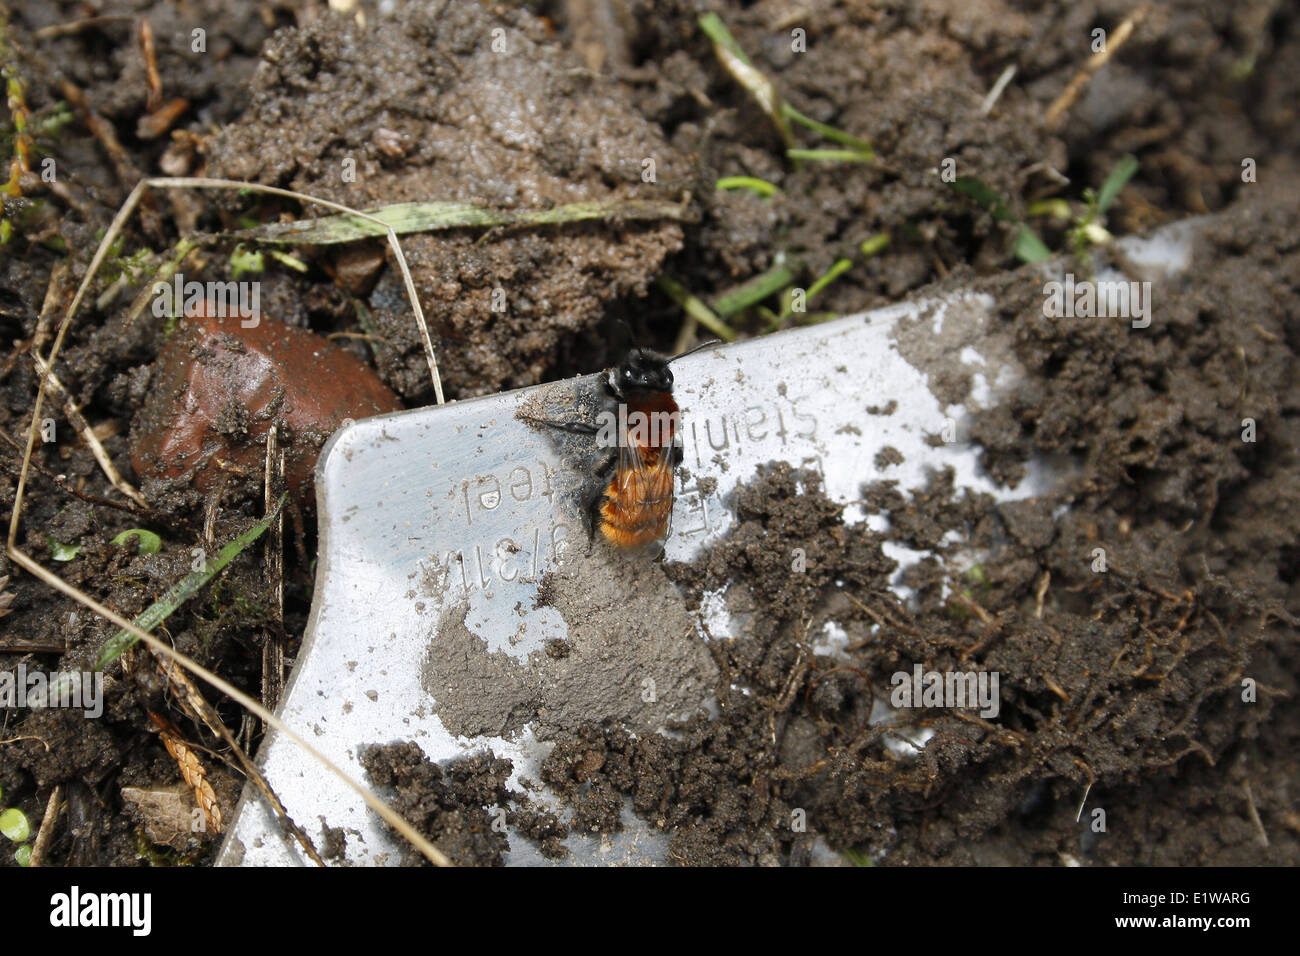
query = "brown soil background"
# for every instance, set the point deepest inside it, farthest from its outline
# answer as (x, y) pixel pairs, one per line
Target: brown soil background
(1130, 680)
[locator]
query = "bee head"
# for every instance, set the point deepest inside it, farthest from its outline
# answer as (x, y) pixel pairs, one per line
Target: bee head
(642, 371)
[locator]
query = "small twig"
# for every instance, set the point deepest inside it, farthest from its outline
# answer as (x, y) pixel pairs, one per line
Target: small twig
(62, 484)
(1094, 63)
(998, 87)
(1254, 814)
(87, 433)
(1086, 790)
(1017, 739)
(970, 604)
(46, 833)
(152, 79)
(1055, 688)
(76, 26)
(19, 646)
(1041, 594)
(273, 646)
(879, 619)
(198, 704)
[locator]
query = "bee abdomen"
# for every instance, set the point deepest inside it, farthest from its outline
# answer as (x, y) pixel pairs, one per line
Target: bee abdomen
(628, 523)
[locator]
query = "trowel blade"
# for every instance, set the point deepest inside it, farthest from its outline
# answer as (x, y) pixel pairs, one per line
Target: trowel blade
(466, 504)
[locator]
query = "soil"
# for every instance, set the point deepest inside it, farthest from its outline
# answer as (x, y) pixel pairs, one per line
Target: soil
(1121, 690)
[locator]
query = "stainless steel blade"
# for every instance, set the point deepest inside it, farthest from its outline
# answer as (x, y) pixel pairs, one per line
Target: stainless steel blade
(438, 527)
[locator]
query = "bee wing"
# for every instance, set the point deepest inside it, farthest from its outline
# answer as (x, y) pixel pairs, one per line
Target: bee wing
(630, 463)
(643, 482)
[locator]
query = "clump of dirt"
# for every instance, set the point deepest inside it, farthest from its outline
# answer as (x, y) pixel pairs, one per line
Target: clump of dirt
(451, 102)
(447, 804)
(463, 807)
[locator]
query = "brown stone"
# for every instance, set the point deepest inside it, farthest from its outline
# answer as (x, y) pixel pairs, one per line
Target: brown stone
(218, 387)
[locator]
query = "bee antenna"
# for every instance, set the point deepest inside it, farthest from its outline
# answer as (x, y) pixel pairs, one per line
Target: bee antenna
(698, 348)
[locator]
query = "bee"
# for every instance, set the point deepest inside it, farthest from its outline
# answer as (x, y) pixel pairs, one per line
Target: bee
(638, 431)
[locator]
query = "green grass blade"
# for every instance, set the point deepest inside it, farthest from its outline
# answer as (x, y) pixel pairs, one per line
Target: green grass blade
(411, 217)
(830, 132)
(717, 31)
(830, 155)
(840, 267)
(695, 308)
(734, 61)
(183, 590)
(760, 186)
(753, 291)
(1119, 176)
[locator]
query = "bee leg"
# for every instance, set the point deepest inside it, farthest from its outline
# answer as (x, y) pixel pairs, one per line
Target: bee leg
(593, 519)
(676, 455)
(604, 473)
(578, 428)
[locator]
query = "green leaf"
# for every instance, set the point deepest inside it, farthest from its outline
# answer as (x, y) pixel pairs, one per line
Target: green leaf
(974, 188)
(63, 552)
(1119, 176)
(1057, 209)
(245, 261)
(150, 543)
(1029, 248)
(293, 262)
(14, 825)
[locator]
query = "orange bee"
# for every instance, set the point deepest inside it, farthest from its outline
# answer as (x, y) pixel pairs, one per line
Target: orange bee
(632, 503)
(636, 505)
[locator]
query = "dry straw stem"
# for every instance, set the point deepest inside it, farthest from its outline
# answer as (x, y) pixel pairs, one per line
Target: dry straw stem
(46, 833)
(432, 853)
(1095, 63)
(22, 559)
(87, 433)
(195, 704)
